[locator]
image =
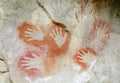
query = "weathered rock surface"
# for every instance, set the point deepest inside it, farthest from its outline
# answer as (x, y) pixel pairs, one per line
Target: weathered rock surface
(59, 41)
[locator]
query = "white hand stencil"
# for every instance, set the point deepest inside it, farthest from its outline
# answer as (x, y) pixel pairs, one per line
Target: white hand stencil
(58, 36)
(30, 63)
(34, 34)
(86, 57)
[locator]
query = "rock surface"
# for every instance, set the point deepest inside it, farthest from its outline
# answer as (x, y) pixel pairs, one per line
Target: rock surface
(59, 41)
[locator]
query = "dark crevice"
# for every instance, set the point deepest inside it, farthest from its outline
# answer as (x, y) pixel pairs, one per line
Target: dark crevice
(44, 9)
(76, 18)
(2, 59)
(10, 80)
(4, 72)
(50, 17)
(5, 63)
(59, 24)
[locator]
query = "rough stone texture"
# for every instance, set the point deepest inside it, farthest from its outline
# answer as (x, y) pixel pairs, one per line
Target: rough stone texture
(2, 66)
(86, 25)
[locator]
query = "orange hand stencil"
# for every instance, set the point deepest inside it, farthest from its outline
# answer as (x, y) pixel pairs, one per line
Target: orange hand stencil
(84, 57)
(58, 39)
(32, 34)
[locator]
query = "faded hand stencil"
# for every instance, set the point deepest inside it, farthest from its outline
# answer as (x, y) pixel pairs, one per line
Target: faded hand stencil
(29, 62)
(99, 34)
(34, 62)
